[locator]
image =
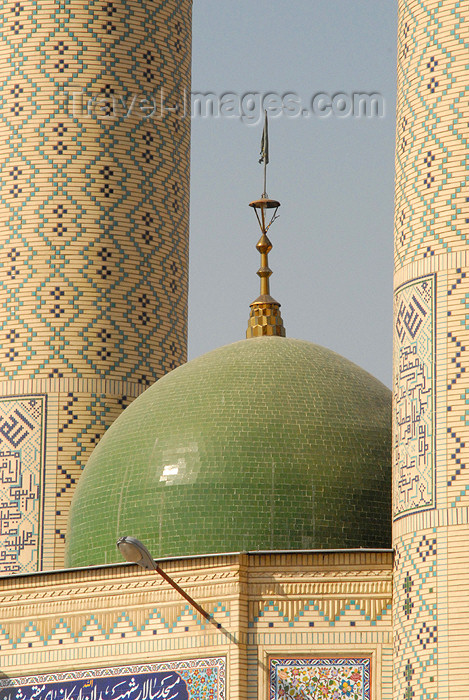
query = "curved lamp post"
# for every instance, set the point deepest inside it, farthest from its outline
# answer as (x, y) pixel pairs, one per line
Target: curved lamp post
(135, 551)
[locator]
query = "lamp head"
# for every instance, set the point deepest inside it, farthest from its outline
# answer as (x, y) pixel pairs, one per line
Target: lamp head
(135, 551)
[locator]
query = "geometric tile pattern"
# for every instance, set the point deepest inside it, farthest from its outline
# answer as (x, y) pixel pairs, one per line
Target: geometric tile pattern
(93, 201)
(104, 627)
(338, 678)
(415, 616)
(457, 389)
(95, 205)
(321, 614)
(413, 424)
(180, 680)
(22, 441)
(82, 420)
(95, 631)
(431, 211)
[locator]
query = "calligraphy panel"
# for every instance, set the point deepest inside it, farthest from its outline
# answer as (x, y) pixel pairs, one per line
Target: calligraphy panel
(21, 473)
(413, 389)
(168, 680)
(339, 678)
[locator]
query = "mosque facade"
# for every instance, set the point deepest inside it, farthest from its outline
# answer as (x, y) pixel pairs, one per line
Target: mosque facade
(258, 475)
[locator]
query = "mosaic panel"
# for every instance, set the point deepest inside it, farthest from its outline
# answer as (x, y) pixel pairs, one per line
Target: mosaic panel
(337, 678)
(22, 442)
(413, 388)
(169, 680)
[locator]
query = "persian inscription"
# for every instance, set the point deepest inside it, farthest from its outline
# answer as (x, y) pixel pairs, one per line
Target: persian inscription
(169, 680)
(21, 472)
(413, 389)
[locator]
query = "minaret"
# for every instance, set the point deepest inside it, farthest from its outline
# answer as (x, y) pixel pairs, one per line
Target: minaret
(265, 317)
(94, 208)
(431, 353)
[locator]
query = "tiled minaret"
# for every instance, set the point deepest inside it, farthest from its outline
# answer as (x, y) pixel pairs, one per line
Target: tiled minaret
(431, 353)
(94, 150)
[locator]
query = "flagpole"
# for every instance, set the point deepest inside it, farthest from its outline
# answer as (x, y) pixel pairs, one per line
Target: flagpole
(265, 151)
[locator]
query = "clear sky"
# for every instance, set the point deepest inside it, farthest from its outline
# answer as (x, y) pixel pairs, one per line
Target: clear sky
(333, 174)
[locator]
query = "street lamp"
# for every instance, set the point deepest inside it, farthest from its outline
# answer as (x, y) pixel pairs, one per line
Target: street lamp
(135, 551)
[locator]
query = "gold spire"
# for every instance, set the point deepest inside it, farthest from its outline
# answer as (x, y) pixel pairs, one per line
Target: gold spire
(265, 318)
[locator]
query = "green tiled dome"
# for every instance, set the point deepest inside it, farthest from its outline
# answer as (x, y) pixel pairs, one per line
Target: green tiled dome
(269, 443)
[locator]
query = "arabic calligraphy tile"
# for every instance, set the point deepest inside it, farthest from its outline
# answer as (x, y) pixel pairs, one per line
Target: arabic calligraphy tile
(414, 415)
(21, 475)
(169, 680)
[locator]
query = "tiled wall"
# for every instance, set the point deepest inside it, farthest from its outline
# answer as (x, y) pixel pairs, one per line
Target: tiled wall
(265, 606)
(94, 189)
(321, 606)
(431, 343)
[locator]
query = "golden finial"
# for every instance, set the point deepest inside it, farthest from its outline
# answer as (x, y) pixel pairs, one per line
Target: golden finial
(265, 318)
